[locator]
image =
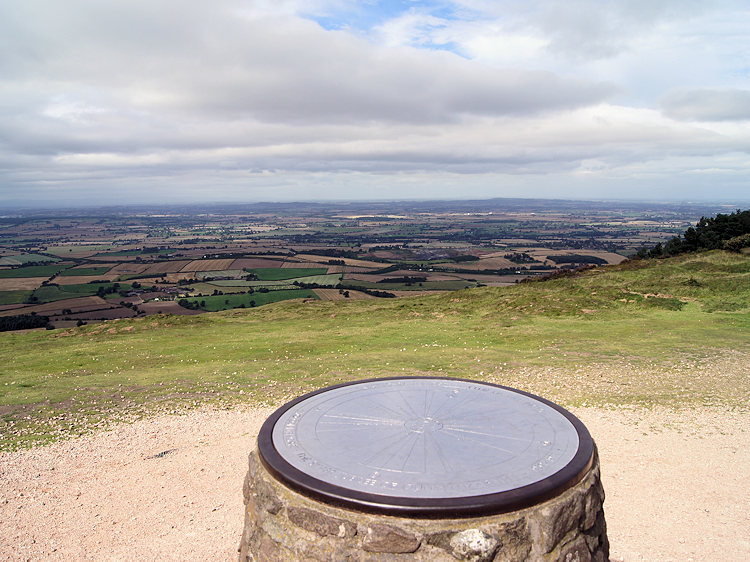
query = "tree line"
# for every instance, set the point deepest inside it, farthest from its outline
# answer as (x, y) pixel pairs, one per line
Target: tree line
(722, 232)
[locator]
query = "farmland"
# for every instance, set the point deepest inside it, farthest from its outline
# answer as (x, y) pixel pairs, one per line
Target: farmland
(641, 333)
(135, 260)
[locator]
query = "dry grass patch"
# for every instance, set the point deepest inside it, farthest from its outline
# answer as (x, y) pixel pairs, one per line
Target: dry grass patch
(165, 267)
(347, 261)
(21, 283)
(83, 279)
(208, 265)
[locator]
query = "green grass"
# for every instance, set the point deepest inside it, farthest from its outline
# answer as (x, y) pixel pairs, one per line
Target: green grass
(85, 271)
(123, 253)
(21, 259)
(215, 303)
(52, 293)
(65, 250)
(32, 271)
(13, 297)
(279, 273)
(671, 332)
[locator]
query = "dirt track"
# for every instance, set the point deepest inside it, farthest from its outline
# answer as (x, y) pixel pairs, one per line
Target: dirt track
(171, 488)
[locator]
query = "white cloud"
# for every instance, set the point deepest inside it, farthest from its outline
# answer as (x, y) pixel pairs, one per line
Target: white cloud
(246, 97)
(707, 105)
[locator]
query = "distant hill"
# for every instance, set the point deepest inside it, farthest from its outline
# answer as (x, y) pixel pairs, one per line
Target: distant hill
(642, 332)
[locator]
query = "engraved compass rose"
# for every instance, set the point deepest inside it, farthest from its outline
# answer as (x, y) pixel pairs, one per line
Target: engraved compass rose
(423, 440)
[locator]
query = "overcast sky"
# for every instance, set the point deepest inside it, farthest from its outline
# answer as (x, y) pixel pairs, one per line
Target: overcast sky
(127, 101)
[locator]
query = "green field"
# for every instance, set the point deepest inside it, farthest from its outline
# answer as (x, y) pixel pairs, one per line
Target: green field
(21, 259)
(231, 301)
(639, 334)
(238, 286)
(233, 273)
(51, 293)
(85, 271)
(14, 297)
(32, 271)
(279, 273)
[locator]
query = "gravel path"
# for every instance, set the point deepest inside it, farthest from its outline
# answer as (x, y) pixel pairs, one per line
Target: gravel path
(171, 487)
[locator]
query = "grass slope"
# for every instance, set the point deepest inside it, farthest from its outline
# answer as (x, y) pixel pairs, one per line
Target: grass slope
(671, 332)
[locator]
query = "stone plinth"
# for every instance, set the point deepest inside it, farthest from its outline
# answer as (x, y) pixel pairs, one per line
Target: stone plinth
(283, 525)
(423, 468)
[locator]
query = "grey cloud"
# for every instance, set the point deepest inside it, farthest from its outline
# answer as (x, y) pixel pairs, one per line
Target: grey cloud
(707, 105)
(197, 98)
(176, 58)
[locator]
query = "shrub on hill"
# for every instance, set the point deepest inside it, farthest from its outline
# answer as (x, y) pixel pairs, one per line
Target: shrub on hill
(708, 234)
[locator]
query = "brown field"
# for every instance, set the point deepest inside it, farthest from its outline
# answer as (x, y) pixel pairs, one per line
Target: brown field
(74, 254)
(334, 295)
(302, 264)
(492, 280)
(79, 304)
(207, 265)
(86, 266)
(105, 314)
(165, 267)
(484, 263)
(11, 306)
(365, 277)
(179, 276)
(83, 279)
(394, 275)
(346, 268)
(347, 261)
(109, 258)
(21, 283)
(542, 254)
(252, 263)
(128, 268)
(166, 307)
(431, 275)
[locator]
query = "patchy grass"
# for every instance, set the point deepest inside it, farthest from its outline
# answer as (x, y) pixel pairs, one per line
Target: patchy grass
(80, 271)
(20, 259)
(280, 274)
(215, 303)
(670, 332)
(52, 293)
(14, 297)
(32, 271)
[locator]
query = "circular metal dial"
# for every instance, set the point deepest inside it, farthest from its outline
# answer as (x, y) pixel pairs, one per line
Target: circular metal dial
(414, 444)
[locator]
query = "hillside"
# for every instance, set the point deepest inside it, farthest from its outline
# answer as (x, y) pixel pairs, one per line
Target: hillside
(671, 332)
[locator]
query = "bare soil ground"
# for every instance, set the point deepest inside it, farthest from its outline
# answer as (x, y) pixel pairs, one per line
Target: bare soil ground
(170, 487)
